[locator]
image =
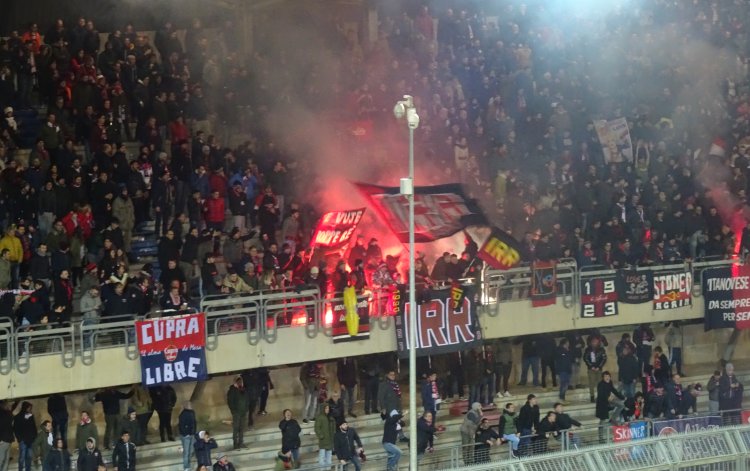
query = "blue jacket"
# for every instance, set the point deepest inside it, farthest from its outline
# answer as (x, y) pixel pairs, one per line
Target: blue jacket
(203, 450)
(428, 402)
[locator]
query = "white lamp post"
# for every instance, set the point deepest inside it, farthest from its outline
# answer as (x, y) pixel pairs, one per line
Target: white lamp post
(405, 109)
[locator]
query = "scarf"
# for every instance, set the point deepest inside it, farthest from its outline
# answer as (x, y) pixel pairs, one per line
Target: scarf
(86, 421)
(395, 387)
(435, 394)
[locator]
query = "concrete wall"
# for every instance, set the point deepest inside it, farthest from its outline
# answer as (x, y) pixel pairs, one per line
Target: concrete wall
(111, 367)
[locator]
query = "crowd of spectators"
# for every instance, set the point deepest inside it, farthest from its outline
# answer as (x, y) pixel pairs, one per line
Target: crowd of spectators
(506, 104)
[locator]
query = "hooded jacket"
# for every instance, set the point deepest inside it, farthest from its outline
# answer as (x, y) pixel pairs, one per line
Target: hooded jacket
(24, 426)
(203, 449)
(325, 428)
(89, 460)
(43, 443)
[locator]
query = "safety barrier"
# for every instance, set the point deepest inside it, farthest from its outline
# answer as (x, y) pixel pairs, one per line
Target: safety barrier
(726, 449)
(259, 315)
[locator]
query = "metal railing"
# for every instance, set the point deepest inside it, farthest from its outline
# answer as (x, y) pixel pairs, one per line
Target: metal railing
(259, 315)
(725, 449)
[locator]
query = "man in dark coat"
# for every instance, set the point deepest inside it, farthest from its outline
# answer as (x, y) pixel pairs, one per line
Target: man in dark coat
(347, 446)
(528, 422)
(605, 410)
(730, 395)
(123, 458)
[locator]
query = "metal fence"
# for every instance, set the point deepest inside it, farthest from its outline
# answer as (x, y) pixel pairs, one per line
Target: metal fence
(726, 449)
(260, 315)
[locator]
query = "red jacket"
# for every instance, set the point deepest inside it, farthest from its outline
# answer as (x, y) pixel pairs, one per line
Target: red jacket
(218, 183)
(214, 209)
(83, 220)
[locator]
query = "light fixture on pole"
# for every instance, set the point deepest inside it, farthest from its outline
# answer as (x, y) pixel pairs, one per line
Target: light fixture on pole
(405, 109)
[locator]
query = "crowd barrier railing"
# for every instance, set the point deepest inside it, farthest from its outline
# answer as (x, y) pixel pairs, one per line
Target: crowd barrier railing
(7, 344)
(259, 315)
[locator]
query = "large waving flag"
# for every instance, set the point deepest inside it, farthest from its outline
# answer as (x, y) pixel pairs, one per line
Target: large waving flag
(439, 211)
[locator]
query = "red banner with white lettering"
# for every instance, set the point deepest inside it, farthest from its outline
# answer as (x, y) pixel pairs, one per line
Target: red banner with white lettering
(172, 349)
(336, 228)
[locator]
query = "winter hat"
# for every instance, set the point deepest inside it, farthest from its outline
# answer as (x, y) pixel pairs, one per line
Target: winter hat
(476, 406)
(314, 270)
(130, 410)
(394, 412)
(201, 434)
(8, 109)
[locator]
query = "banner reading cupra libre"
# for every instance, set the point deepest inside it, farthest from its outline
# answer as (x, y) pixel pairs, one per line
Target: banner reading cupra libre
(172, 349)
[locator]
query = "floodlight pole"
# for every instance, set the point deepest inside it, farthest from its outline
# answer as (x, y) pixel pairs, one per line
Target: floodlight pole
(405, 108)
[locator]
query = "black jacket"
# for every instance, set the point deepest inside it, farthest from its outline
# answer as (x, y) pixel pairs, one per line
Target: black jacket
(6, 426)
(290, 431)
(603, 391)
(57, 460)
(629, 369)
(564, 421)
(24, 428)
(528, 417)
(344, 443)
(390, 427)
(89, 460)
(110, 399)
(186, 423)
(123, 457)
(219, 467)
(425, 434)
(595, 358)
(564, 361)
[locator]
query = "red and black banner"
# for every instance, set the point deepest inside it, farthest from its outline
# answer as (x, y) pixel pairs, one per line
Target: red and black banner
(340, 331)
(673, 290)
(726, 297)
(500, 251)
(442, 327)
(598, 297)
(439, 211)
(543, 284)
(336, 228)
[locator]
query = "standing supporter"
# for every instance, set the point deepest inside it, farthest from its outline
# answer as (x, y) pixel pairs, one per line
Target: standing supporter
(187, 427)
(85, 429)
(89, 456)
(528, 422)
(714, 391)
(110, 399)
(25, 430)
(57, 408)
(347, 446)
(6, 434)
(163, 399)
(730, 395)
(595, 357)
(290, 430)
(58, 459)
(325, 428)
(238, 405)
(607, 409)
(468, 429)
(346, 373)
(123, 456)
(204, 443)
(392, 424)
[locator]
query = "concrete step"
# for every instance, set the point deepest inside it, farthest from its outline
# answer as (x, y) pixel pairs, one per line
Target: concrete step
(264, 442)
